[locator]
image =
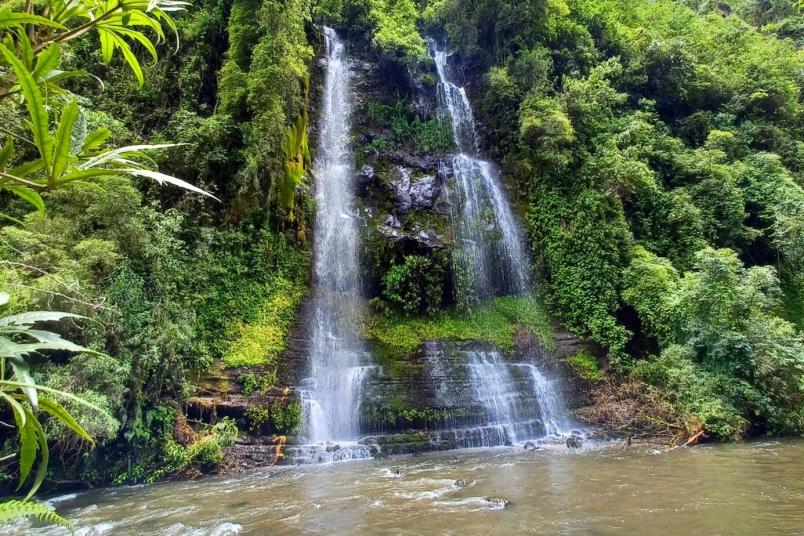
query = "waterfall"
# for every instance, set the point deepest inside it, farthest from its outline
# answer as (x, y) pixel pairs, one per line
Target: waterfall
(338, 360)
(520, 402)
(490, 248)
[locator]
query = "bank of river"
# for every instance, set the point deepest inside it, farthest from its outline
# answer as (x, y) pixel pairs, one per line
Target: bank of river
(751, 488)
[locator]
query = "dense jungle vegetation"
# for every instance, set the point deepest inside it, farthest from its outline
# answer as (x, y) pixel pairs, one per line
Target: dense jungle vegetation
(654, 149)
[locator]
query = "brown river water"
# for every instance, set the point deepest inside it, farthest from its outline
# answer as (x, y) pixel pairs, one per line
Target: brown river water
(752, 488)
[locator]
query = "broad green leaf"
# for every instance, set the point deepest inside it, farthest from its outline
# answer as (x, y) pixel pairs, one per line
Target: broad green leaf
(28, 446)
(28, 194)
(7, 152)
(81, 175)
(63, 141)
(138, 18)
(23, 375)
(137, 36)
(130, 58)
(41, 471)
(95, 139)
(26, 50)
(63, 394)
(9, 19)
(26, 169)
(59, 412)
(59, 76)
(107, 45)
(16, 408)
(161, 178)
(35, 104)
(48, 337)
(114, 154)
(47, 60)
(31, 317)
(19, 350)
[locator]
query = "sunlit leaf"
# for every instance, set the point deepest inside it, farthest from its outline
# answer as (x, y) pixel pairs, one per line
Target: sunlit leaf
(9, 19)
(28, 444)
(35, 104)
(63, 141)
(161, 178)
(41, 471)
(57, 411)
(28, 194)
(47, 60)
(95, 139)
(23, 375)
(31, 317)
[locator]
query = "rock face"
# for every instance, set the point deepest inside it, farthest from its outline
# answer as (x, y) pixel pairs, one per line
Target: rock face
(426, 400)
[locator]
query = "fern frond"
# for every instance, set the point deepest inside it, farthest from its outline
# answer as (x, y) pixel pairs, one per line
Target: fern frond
(15, 509)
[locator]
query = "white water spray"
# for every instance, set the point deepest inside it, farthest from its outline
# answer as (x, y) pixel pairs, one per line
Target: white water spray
(338, 360)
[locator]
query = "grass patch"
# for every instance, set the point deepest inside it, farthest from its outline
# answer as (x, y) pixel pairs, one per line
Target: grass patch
(495, 323)
(585, 365)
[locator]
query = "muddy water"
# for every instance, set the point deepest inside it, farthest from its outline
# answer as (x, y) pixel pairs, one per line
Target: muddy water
(752, 489)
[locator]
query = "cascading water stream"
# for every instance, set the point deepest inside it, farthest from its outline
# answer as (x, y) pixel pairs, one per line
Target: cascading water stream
(520, 402)
(338, 360)
(491, 248)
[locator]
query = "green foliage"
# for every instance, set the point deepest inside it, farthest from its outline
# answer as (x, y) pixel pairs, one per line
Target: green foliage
(585, 365)
(170, 284)
(262, 340)
(398, 413)
(720, 318)
(407, 130)
(645, 133)
(416, 285)
(25, 398)
(582, 242)
(205, 452)
(256, 383)
(283, 416)
(256, 416)
(390, 23)
(286, 416)
(69, 153)
(394, 31)
(15, 509)
(264, 84)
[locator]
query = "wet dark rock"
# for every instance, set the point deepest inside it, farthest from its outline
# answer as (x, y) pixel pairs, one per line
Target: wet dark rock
(392, 222)
(574, 442)
(500, 502)
(429, 239)
(364, 179)
(333, 448)
(392, 234)
(425, 163)
(401, 191)
(427, 192)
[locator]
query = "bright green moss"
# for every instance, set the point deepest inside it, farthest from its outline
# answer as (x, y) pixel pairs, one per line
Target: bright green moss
(261, 341)
(494, 323)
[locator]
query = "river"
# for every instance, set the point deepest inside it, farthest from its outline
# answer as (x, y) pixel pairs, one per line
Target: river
(750, 488)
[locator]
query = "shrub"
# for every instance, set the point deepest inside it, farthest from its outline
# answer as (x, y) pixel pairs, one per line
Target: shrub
(585, 365)
(417, 285)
